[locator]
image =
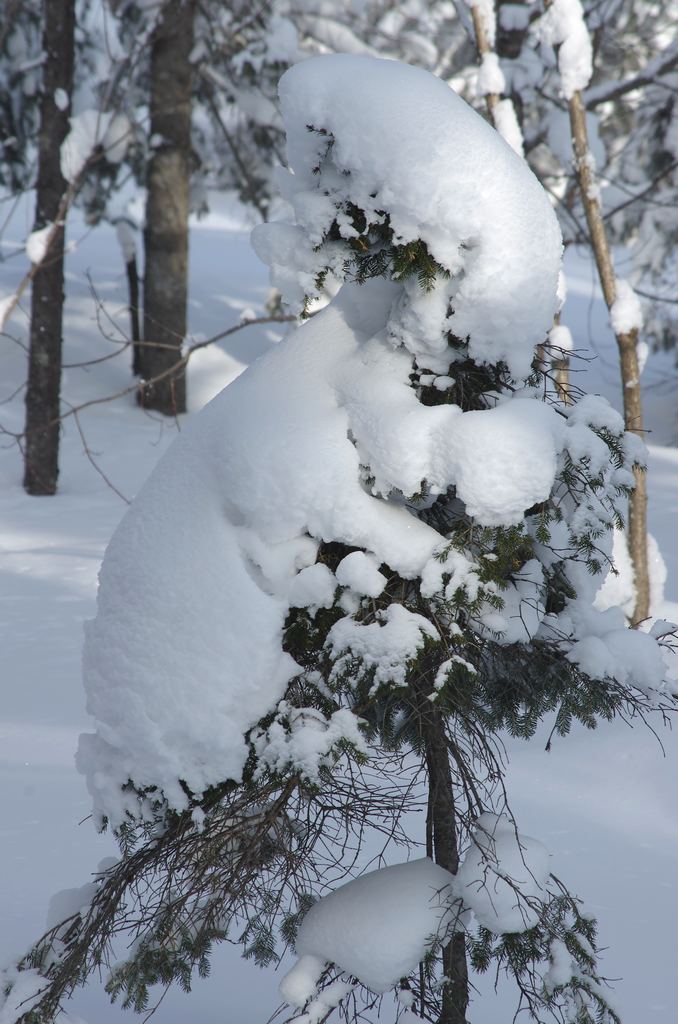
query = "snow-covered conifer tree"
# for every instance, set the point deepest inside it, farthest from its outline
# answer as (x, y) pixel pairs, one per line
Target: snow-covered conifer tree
(372, 552)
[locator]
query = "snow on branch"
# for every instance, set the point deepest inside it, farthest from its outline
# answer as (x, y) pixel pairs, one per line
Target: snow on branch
(564, 27)
(472, 203)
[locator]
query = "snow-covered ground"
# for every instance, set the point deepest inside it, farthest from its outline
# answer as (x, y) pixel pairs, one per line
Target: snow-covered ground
(604, 803)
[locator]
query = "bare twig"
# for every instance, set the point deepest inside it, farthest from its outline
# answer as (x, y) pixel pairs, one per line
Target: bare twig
(90, 455)
(75, 410)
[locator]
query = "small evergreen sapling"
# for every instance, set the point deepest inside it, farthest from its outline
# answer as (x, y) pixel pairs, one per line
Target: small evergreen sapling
(425, 563)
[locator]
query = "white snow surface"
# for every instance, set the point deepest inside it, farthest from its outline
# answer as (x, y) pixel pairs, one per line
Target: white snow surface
(25, 988)
(68, 902)
(37, 242)
(523, 608)
(126, 239)
(185, 654)
(506, 123)
(300, 983)
(561, 967)
(563, 25)
(308, 742)
(89, 129)
(618, 590)
(360, 572)
(377, 927)
(387, 646)
(61, 99)
(503, 460)
(500, 861)
(560, 337)
(406, 144)
(490, 76)
(626, 313)
(314, 587)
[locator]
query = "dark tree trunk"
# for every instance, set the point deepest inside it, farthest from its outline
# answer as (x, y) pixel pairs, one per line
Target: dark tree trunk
(166, 231)
(41, 449)
(442, 829)
(133, 289)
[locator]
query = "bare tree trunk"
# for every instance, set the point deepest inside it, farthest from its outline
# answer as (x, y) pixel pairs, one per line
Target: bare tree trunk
(483, 47)
(500, 106)
(628, 355)
(133, 290)
(41, 449)
(442, 829)
(166, 231)
(561, 371)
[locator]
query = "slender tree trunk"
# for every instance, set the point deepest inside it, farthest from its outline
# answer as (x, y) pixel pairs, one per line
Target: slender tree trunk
(41, 448)
(442, 830)
(133, 291)
(166, 232)
(628, 353)
(626, 343)
(483, 47)
(561, 369)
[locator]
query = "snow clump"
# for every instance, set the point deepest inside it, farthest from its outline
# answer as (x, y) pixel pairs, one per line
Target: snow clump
(90, 129)
(626, 313)
(19, 990)
(38, 242)
(563, 25)
(472, 201)
(506, 123)
(490, 76)
(377, 928)
(503, 876)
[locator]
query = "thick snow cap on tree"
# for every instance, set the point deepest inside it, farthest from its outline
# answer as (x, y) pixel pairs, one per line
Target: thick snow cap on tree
(185, 654)
(403, 142)
(325, 439)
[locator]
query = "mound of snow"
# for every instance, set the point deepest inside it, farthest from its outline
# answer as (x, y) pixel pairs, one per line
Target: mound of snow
(503, 875)
(376, 928)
